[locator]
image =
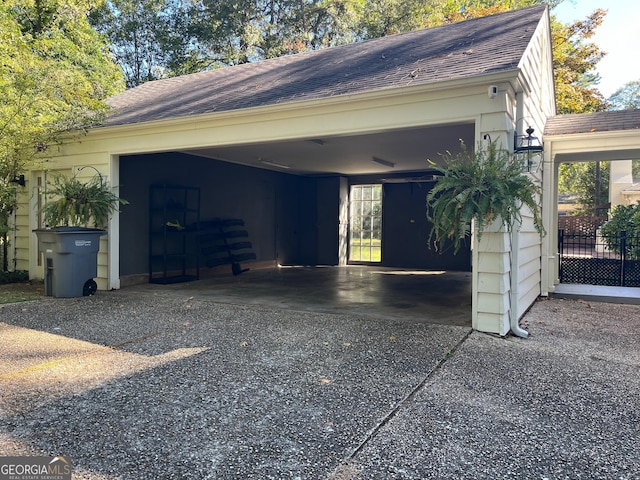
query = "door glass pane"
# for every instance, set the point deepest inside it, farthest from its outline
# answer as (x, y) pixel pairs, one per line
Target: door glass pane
(365, 226)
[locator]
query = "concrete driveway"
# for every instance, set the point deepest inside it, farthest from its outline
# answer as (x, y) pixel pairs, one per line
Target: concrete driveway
(158, 386)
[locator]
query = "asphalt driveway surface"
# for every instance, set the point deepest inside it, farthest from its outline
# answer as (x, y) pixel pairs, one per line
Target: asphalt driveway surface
(155, 386)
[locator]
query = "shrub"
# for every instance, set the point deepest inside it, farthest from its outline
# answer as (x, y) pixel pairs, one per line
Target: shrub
(14, 277)
(623, 218)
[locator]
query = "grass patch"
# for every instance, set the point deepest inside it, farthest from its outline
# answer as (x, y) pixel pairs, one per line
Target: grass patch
(365, 253)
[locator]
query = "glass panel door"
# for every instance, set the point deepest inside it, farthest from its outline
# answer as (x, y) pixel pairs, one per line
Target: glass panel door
(365, 225)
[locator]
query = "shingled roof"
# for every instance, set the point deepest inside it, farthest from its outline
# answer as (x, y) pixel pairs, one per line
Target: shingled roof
(471, 48)
(593, 122)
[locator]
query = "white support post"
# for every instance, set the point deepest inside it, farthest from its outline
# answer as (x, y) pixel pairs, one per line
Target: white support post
(113, 255)
(491, 281)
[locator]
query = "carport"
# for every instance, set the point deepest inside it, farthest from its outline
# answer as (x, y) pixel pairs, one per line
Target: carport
(278, 145)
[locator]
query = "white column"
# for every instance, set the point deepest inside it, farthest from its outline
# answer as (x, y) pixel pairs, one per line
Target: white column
(491, 280)
(113, 252)
(620, 178)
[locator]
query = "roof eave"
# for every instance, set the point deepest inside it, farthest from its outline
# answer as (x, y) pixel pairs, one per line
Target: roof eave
(384, 94)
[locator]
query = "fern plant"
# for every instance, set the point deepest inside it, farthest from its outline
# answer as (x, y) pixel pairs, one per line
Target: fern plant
(80, 203)
(484, 186)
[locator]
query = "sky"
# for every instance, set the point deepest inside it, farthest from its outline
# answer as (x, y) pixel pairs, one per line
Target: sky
(619, 36)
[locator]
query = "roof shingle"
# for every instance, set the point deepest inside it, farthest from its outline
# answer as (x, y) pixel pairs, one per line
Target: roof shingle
(474, 47)
(593, 122)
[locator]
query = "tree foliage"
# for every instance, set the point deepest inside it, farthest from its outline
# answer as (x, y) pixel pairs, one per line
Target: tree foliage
(588, 182)
(626, 98)
(150, 39)
(55, 70)
(574, 62)
(623, 218)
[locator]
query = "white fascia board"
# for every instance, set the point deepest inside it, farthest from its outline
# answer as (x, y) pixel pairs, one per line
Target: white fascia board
(573, 145)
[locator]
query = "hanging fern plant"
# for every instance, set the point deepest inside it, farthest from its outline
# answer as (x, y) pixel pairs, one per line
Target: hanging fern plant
(484, 186)
(80, 203)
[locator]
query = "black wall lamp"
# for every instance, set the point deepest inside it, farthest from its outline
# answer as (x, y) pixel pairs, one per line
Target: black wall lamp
(529, 149)
(19, 179)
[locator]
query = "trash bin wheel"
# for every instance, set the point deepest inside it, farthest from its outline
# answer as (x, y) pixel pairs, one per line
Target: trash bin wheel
(90, 287)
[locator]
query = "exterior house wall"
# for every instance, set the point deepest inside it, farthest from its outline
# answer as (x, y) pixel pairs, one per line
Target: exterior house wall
(507, 277)
(37, 184)
(620, 178)
(20, 233)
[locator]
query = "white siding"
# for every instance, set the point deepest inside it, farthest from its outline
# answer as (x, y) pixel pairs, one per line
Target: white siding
(537, 104)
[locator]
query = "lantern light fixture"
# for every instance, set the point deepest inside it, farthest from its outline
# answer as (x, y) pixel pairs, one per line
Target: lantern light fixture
(529, 149)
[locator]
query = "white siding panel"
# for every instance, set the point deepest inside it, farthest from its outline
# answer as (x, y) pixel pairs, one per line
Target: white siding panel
(491, 303)
(493, 283)
(492, 323)
(494, 262)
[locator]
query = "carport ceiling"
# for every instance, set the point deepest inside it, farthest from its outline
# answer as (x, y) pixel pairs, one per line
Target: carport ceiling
(396, 152)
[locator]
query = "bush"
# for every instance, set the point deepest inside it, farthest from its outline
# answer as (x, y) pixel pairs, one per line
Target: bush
(14, 277)
(623, 218)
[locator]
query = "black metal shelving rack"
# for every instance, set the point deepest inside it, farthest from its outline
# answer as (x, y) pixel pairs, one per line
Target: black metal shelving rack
(174, 217)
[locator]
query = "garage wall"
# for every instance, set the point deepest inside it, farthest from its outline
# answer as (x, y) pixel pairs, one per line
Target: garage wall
(406, 230)
(291, 220)
(226, 191)
(308, 230)
(405, 227)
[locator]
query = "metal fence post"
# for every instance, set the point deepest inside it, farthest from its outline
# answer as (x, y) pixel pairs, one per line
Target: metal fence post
(623, 256)
(560, 250)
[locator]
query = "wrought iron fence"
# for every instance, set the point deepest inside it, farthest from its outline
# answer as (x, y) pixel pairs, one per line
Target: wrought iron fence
(593, 259)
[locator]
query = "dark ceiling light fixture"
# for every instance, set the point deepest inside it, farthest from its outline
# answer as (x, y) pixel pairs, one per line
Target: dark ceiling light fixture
(274, 164)
(528, 148)
(380, 161)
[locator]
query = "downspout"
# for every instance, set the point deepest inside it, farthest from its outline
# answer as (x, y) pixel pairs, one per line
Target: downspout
(515, 246)
(513, 310)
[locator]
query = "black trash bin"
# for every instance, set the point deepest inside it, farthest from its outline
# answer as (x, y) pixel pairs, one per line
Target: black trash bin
(70, 260)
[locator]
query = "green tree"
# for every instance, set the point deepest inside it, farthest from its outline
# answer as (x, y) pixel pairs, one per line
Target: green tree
(589, 183)
(248, 30)
(574, 62)
(624, 218)
(150, 39)
(55, 71)
(626, 98)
